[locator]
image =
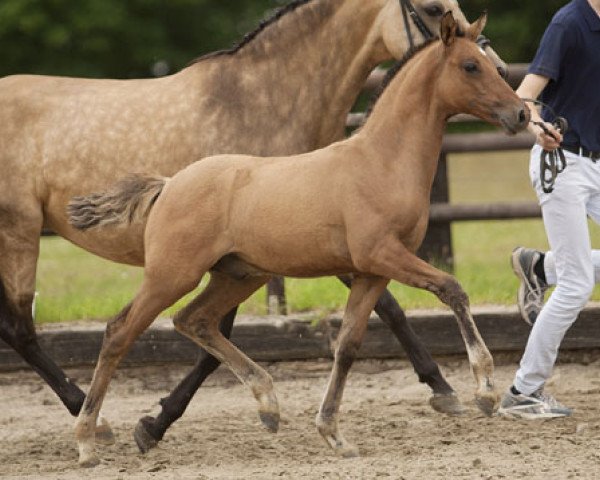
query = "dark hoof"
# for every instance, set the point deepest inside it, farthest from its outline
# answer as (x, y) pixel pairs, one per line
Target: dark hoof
(447, 403)
(270, 421)
(145, 441)
(487, 403)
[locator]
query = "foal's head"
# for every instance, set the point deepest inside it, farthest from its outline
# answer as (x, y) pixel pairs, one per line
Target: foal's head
(469, 82)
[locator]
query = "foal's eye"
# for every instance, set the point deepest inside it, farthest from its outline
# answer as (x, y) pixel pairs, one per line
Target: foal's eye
(434, 10)
(470, 67)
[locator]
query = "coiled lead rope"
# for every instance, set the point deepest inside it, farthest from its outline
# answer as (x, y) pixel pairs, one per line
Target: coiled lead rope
(551, 162)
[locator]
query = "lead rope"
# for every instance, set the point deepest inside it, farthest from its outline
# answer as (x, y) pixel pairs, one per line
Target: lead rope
(551, 162)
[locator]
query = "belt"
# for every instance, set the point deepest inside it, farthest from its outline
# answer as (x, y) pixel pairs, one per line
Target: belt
(582, 151)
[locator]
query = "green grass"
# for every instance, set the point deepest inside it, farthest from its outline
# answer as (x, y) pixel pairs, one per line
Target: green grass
(73, 284)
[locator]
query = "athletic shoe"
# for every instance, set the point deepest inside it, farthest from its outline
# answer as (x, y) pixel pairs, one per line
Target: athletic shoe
(534, 406)
(530, 296)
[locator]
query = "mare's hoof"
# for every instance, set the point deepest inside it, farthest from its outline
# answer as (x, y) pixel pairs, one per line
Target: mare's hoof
(104, 434)
(447, 403)
(270, 421)
(144, 440)
(487, 402)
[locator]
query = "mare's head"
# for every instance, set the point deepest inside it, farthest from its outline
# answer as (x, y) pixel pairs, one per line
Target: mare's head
(404, 23)
(468, 81)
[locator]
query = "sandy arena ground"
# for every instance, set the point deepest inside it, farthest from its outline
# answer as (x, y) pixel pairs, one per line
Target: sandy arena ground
(385, 412)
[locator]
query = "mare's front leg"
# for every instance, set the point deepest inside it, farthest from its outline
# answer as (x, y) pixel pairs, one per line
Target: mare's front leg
(363, 295)
(19, 248)
(392, 260)
(149, 430)
(444, 397)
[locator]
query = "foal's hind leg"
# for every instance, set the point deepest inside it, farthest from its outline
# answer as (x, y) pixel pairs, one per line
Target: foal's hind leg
(199, 321)
(153, 297)
(393, 260)
(363, 295)
(444, 398)
(19, 248)
(149, 430)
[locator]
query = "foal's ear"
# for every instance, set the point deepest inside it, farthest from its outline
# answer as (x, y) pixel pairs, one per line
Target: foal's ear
(448, 28)
(476, 27)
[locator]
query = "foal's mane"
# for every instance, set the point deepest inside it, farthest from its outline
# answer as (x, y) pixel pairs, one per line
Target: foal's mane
(249, 37)
(393, 71)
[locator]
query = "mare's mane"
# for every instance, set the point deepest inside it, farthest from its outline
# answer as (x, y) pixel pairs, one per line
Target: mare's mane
(249, 37)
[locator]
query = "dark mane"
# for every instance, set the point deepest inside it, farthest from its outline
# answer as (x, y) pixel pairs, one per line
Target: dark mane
(393, 71)
(274, 18)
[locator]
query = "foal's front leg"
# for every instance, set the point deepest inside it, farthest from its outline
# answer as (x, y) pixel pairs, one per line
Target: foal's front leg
(444, 397)
(364, 292)
(393, 260)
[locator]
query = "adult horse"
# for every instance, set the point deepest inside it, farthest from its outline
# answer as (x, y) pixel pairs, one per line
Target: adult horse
(359, 206)
(286, 89)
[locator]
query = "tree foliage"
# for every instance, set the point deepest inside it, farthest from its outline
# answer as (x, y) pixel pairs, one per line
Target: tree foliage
(134, 38)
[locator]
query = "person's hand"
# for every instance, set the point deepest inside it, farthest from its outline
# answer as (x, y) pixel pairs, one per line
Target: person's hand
(548, 137)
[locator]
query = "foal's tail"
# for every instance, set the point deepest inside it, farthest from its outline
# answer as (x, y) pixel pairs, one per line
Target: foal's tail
(129, 200)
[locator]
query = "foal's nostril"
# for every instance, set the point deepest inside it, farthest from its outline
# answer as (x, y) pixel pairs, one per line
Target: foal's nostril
(503, 72)
(522, 116)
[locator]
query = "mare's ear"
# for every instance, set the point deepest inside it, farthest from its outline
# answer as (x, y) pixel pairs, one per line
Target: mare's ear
(448, 28)
(477, 27)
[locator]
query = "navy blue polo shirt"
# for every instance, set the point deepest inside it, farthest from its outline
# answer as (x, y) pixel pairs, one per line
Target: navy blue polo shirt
(569, 55)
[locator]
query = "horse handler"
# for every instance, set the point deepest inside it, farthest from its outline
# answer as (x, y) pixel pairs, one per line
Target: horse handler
(566, 72)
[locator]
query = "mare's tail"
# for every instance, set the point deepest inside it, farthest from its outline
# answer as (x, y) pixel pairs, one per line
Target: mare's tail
(129, 200)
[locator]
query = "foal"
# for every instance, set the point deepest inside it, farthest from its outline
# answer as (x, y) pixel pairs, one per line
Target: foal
(331, 207)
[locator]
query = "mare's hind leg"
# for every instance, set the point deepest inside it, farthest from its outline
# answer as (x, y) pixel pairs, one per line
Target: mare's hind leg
(20, 229)
(149, 430)
(444, 397)
(199, 321)
(363, 295)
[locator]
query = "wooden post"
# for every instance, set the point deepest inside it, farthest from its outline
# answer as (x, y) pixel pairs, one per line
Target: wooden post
(437, 245)
(276, 303)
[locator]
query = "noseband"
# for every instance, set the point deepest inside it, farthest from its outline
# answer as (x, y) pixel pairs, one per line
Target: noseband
(408, 10)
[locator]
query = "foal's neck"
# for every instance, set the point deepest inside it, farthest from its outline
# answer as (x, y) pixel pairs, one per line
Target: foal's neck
(406, 127)
(312, 64)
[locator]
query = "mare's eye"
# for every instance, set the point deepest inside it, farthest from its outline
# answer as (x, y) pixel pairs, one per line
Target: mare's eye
(434, 10)
(470, 67)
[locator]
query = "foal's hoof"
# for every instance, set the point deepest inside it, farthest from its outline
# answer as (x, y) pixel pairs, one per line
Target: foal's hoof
(142, 436)
(104, 434)
(270, 421)
(348, 451)
(447, 403)
(88, 461)
(487, 402)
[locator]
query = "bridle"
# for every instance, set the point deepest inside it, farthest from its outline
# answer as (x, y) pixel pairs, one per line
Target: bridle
(408, 10)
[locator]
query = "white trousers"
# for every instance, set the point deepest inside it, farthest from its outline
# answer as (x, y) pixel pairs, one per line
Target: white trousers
(571, 265)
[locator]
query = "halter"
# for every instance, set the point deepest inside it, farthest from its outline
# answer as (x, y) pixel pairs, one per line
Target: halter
(408, 10)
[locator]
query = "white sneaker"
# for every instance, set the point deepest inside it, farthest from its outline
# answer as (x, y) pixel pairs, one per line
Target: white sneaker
(530, 296)
(534, 406)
